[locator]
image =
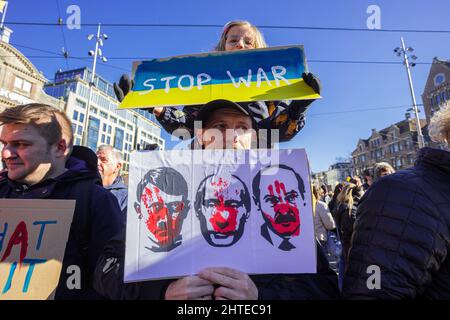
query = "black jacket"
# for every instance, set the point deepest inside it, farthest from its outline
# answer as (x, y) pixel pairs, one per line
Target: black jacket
(120, 190)
(110, 271)
(287, 116)
(402, 226)
(96, 219)
(345, 218)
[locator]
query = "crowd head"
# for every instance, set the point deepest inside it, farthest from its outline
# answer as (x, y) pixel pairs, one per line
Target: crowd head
(37, 140)
(440, 125)
(240, 35)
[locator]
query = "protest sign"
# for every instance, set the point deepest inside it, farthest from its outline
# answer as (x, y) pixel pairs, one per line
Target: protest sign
(33, 236)
(245, 75)
(190, 209)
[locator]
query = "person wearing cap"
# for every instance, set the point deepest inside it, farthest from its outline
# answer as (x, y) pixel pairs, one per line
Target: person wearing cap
(287, 116)
(225, 125)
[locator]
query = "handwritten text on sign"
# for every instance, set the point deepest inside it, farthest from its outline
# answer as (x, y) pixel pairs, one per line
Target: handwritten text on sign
(262, 74)
(33, 236)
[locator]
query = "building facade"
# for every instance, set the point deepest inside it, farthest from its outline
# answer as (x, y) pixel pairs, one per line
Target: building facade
(437, 87)
(396, 144)
(20, 81)
(126, 130)
(335, 174)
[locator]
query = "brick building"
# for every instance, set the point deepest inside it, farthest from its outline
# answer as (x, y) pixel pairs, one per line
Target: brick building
(396, 144)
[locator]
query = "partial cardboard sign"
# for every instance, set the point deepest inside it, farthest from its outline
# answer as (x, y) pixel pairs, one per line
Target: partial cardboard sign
(33, 237)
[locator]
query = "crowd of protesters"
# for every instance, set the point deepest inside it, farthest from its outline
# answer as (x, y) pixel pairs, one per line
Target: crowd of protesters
(398, 221)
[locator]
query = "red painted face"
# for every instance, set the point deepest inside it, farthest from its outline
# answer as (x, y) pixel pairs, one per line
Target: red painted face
(164, 220)
(280, 208)
(224, 215)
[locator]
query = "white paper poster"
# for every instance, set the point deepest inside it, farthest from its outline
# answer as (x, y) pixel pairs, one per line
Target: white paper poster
(189, 209)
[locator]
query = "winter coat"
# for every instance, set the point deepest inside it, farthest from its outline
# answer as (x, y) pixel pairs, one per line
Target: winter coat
(345, 219)
(96, 219)
(287, 116)
(120, 190)
(323, 221)
(110, 270)
(403, 228)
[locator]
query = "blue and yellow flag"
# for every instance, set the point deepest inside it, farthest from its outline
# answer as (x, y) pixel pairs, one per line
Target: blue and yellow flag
(248, 75)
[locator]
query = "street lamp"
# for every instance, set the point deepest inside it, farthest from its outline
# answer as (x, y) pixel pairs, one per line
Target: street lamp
(399, 51)
(96, 54)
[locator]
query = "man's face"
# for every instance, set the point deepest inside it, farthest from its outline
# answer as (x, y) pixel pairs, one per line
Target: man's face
(27, 155)
(107, 165)
(223, 211)
(227, 129)
(164, 214)
(280, 202)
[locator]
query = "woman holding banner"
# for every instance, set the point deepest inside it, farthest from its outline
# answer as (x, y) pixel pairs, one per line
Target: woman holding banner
(286, 116)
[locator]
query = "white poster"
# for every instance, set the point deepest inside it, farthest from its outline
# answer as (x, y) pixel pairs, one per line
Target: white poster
(189, 209)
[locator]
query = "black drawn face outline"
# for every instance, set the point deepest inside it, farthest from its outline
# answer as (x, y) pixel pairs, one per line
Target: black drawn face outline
(223, 207)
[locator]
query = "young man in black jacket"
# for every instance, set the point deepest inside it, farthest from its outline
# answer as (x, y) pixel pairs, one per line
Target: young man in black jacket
(41, 163)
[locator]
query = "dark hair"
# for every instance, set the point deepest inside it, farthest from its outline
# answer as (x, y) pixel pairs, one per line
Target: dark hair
(165, 179)
(368, 172)
(200, 196)
(257, 181)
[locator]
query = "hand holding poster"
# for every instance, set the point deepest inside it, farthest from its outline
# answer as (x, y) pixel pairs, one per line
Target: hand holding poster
(33, 236)
(247, 75)
(249, 210)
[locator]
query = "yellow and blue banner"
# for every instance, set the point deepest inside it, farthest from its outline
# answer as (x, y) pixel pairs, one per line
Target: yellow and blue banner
(248, 75)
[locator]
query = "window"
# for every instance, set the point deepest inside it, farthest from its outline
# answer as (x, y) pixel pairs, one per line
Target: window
(103, 114)
(80, 130)
(108, 140)
(439, 79)
(129, 127)
(82, 117)
(94, 110)
(113, 119)
(94, 126)
(78, 141)
(105, 126)
(75, 115)
(22, 85)
(103, 138)
(109, 129)
(122, 124)
(118, 139)
(74, 127)
(80, 104)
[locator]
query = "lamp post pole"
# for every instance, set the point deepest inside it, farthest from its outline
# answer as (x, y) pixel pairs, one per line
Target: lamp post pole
(98, 43)
(403, 50)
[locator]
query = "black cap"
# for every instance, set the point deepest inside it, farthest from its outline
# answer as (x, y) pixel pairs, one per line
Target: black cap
(207, 110)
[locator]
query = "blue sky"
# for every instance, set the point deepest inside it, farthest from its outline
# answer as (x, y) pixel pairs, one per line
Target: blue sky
(346, 87)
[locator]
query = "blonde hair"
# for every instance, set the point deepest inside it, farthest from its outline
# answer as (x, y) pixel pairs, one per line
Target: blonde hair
(379, 168)
(439, 128)
(346, 196)
(51, 123)
(259, 39)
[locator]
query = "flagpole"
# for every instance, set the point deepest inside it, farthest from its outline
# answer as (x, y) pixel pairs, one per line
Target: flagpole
(3, 15)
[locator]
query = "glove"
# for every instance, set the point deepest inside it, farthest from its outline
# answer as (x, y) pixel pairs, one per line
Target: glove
(298, 107)
(125, 85)
(312, 81)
